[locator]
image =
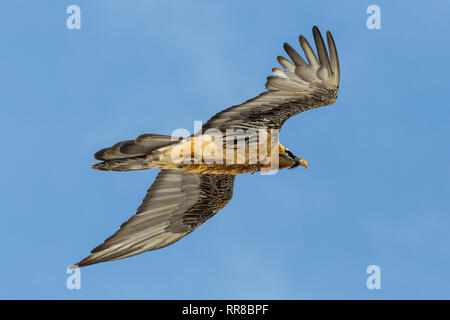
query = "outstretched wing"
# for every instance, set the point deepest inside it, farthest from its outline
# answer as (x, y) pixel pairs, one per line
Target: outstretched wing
(176, 204)
(302, 86)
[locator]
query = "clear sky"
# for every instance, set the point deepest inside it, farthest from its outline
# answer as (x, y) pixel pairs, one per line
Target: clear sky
(376, 191)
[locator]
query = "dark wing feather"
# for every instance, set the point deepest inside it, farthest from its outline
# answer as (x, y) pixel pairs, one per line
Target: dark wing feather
(176, 204)
(299, 88)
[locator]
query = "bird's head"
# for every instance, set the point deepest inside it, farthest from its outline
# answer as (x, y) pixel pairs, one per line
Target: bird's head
(289, 160)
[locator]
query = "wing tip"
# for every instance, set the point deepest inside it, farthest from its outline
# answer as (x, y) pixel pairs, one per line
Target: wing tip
(287, 46)
(334, 58)
(316, 31)
(293, 54)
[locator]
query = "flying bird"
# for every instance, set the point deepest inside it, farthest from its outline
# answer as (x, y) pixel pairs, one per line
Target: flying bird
(198, 172)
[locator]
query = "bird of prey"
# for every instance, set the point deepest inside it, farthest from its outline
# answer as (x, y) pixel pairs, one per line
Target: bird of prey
(197, 173)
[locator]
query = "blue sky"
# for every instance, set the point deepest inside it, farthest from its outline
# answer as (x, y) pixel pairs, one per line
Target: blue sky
(376, 191)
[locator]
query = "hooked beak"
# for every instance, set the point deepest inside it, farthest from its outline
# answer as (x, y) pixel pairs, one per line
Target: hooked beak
(302, 162)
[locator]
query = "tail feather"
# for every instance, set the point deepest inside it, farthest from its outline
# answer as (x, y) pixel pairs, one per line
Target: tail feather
(129, 164)
(141, 146)
(131, 154)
